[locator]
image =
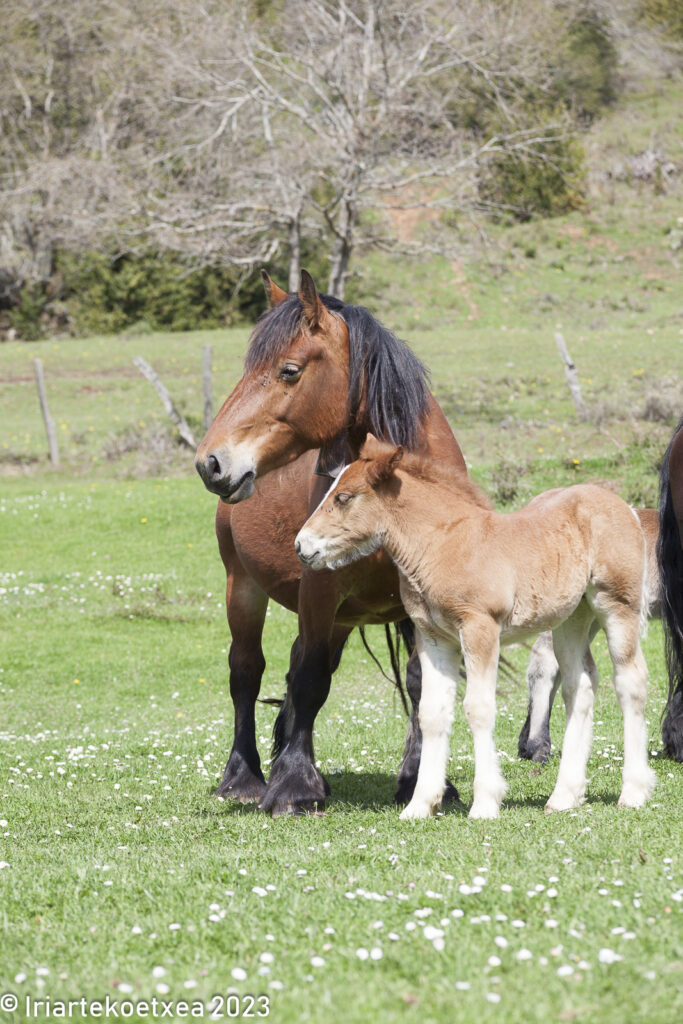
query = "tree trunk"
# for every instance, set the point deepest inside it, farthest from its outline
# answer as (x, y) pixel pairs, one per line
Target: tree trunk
(294, 252)
(341, 252)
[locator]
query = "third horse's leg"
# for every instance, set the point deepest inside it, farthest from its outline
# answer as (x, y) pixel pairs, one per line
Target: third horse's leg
(543, 677)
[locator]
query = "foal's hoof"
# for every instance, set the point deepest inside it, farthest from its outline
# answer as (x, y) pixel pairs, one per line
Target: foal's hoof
(416, 809)
(563, 800)
(485, 809)
(636, 794)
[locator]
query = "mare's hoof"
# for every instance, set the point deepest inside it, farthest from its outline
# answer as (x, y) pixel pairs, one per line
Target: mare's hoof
(294, 788)
(241, 783)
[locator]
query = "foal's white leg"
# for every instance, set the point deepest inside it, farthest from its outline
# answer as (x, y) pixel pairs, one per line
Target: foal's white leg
(439, 662)
(579, 683)
(630, 682)
(481, 646)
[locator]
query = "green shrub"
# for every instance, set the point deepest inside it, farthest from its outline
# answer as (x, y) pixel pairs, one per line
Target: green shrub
(547, 184)
(666, 15)
(586, 78)
(26, 316)
(109, 294)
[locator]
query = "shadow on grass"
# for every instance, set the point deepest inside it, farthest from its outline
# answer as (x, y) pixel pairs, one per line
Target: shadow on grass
(374, 791)
(359, 791)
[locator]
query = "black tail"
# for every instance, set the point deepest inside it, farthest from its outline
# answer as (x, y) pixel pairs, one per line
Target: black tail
(405, 632)
(670, 561)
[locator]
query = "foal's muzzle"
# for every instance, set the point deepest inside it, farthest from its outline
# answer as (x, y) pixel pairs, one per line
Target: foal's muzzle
(308, 552)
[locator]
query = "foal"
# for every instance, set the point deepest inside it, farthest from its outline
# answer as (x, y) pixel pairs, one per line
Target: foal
(471, 579)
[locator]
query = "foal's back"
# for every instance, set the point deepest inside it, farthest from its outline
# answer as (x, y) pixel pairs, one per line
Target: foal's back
(546, 555)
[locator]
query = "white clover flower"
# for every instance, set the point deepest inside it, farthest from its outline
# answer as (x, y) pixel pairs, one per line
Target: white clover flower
(608, 956)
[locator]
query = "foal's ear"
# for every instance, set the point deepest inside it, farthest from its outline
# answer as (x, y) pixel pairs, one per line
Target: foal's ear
(382, 467)
(274, 294)
(314, 310)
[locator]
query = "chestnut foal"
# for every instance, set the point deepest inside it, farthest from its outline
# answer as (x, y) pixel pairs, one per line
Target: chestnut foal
(543, 673)
(471, 579)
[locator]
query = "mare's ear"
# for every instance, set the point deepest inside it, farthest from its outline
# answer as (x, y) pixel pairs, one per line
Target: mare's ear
(314, 310)
(384, 465)
(274, 294)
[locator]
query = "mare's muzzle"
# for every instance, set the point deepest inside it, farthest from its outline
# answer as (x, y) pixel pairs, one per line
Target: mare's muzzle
(230, 482)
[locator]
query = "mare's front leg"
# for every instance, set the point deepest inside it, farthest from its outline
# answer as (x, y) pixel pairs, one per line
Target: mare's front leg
(543, 677)
(480, 637)
(295, 784)
(246, 606)
(410, 762)
(439, 662)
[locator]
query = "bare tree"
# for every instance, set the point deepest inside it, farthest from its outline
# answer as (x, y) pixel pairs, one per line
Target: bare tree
(347, 112)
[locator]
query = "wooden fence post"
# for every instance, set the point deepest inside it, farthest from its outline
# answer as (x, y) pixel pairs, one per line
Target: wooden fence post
(207, 353)
(184, 431)
(49, 422)
(572, 376)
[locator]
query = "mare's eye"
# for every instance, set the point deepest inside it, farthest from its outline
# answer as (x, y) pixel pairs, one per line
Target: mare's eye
(290, 372)
(342, 498)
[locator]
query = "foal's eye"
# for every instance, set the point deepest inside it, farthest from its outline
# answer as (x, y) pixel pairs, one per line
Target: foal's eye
(290, 372)
(342, 498)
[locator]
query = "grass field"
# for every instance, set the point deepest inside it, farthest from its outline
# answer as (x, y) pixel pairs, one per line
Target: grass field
(121, 873)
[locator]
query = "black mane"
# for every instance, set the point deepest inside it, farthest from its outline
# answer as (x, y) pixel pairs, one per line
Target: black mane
(381, 367)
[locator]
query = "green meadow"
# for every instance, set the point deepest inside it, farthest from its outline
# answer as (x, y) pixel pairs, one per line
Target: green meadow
(122, 875)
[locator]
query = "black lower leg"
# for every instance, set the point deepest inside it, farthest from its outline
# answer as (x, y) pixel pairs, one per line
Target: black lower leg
(243, 779)
(295, 784)
(672, 728)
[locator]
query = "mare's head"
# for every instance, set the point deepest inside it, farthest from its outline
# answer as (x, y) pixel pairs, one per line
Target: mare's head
(348, 524)
(316, 371)
(292, 395)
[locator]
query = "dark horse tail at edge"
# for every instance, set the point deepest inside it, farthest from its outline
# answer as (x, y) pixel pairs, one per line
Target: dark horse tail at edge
(670, 558)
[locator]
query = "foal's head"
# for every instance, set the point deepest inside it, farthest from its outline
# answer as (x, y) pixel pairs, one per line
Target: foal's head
(292, 396)
(349, 522)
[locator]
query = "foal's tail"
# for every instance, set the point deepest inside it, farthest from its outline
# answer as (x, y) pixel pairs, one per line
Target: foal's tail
(670, 560)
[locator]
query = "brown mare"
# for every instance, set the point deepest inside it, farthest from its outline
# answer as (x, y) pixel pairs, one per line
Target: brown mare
(670, 557)
(471, 579)
(319, 374)
(543, 673)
